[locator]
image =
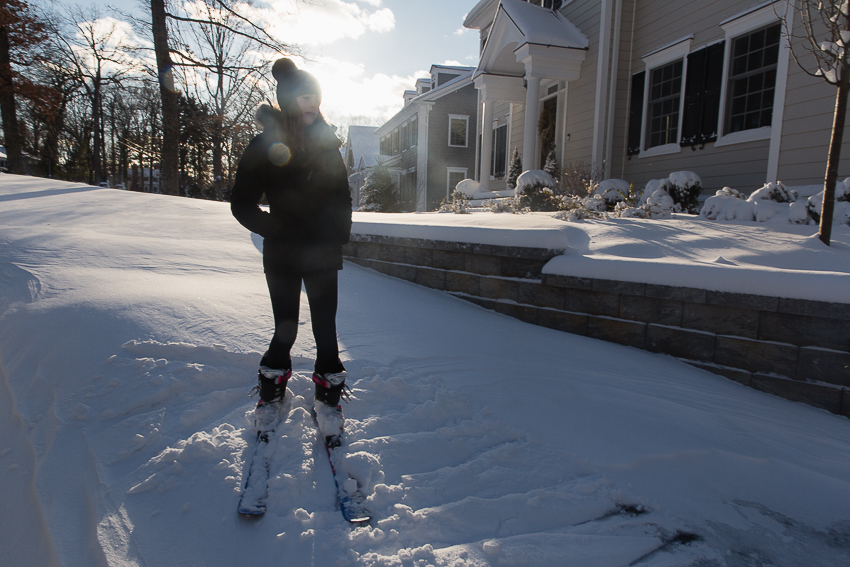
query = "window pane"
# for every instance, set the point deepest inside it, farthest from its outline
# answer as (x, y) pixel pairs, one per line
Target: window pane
(663, 105)
(752, 79)
(458, 132)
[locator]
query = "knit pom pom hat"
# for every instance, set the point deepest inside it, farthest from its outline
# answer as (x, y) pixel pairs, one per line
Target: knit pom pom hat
(293, 82)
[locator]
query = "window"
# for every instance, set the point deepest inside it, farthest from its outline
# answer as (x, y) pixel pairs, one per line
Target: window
(499, 155)
(455, 175)
(665, 86)
(458, 130)
(752, 79)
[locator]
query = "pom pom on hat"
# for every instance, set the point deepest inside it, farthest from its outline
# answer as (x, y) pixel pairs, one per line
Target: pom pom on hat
(293, 82)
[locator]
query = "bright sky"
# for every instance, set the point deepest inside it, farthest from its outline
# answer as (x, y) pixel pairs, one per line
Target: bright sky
(366, 53)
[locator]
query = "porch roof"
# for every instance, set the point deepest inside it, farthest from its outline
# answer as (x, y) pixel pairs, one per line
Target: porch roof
(520, 28)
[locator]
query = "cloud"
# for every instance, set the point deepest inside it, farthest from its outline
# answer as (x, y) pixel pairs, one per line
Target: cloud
(317, 23)
(347, 91)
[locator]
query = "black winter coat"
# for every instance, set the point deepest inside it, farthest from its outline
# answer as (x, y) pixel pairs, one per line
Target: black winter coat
(309, 217)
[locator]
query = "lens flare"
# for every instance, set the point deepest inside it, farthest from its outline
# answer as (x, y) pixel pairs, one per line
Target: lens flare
(279, 154)
(166, 78)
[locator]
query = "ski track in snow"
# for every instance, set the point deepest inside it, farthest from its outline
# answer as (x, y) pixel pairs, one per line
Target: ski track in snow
(479, 440)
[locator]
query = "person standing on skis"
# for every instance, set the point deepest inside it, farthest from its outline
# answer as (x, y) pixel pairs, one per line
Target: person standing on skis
(296, 163)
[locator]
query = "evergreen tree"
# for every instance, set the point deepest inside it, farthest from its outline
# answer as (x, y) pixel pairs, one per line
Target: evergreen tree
(551, 166)
(515, 169)
(379, 192)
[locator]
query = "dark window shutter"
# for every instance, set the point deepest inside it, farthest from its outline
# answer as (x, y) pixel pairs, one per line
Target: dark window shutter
(693, 98)
(711, 98)
(635, 113)
(702, 95)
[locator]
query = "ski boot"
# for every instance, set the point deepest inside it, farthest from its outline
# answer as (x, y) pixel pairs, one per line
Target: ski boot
(330, 388)
(272, 389)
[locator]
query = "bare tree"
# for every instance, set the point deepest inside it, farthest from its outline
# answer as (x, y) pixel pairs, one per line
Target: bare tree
(92, 49)
(20, 31)
(826, 40)
(168, 55)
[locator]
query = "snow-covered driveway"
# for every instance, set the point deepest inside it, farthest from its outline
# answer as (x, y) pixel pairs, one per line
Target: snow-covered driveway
(130, 327)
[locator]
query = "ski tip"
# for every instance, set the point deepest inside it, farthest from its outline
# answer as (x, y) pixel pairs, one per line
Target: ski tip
(360, 519)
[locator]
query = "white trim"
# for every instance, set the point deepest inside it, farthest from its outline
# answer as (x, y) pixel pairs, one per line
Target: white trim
(779, 90)
(465, 118)
(744, 136)
(660, 150)
(449, 171)
(755, 18)
(676, 50)
(602, 68)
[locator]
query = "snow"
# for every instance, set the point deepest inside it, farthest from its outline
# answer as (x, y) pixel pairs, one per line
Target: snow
(132, 325)
(543, 26)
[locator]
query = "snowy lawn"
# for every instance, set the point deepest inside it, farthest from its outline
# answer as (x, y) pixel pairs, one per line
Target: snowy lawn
(130, 330)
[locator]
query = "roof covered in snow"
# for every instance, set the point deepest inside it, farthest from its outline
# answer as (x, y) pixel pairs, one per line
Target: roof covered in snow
(363, 141)
(542, 26)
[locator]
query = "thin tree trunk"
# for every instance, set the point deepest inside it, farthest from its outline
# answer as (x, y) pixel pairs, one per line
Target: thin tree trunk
(170, 158)
(11, 132)
(828, 209)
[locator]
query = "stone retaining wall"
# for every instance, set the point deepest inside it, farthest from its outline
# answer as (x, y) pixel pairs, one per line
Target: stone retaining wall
(793, 348)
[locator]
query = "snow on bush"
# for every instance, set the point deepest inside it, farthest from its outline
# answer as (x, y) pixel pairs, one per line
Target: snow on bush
(535, 191)
(458, 203)
(683, 188)
(534, 177)
(774, 202)
(841, 215)
(613, 191)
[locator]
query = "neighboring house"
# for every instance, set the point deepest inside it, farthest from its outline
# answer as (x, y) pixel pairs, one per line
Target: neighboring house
(360, 152)
(3, 164)
(144, 179)
(639, 89)
(429, 146)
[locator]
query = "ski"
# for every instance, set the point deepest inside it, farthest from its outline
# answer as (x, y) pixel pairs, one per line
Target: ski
(255, 491)
(351, 499)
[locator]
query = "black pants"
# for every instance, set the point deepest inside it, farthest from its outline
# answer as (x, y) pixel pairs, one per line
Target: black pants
(322, 295)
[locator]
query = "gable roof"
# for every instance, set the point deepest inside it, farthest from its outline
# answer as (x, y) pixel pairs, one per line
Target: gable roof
(363, 141)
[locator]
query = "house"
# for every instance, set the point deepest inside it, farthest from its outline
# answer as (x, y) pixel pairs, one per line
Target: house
(636, 90)
(429, 146)
(360, 153)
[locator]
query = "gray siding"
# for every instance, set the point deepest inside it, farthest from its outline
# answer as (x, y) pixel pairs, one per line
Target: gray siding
(463, 101)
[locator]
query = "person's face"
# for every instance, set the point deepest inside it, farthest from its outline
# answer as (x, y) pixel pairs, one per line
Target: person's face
(309, 106)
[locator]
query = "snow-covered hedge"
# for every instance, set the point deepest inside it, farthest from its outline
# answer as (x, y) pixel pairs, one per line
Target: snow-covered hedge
(775, 203)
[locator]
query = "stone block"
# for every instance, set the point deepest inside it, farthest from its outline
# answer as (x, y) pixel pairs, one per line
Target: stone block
(483, 265)
(756, 356)
(402, 271)
(673, 293)
(816, 395)
(629, 333)
(522, 312)
(463, 283)
(681, 343)
(541, 295)
(497, 288)
(575, 323)
(742, 300)
(480, 301)
(511, 267)
(623, 288)
(368, 250)
(721, 320)
(349, 250)
(592, 302)
(427, 277)
(815, 308)
(390, 253)
(568, 282)
(823, 365)
(803, 330)
(448, 260)
(651, 310)
(418, 256)
(740, 376)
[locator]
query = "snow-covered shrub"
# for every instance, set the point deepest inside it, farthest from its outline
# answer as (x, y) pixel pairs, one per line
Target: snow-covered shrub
(551, 166)
(613, 191)
(841, 214)
(535, 190)
(458, 203)
(574, 208)
(379, 192)
(504, 205)
(771, 200)
(728, 204)
(684, 188)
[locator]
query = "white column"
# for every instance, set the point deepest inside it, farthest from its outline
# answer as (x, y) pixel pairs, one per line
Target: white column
(486, 145)
(532, 114)
(422, 158)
